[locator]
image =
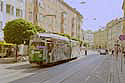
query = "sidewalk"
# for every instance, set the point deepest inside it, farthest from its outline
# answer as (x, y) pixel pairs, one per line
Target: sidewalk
(11, 59)
(7, 60)
(117, 70)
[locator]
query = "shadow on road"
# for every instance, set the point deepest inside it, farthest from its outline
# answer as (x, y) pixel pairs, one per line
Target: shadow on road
(26, 68)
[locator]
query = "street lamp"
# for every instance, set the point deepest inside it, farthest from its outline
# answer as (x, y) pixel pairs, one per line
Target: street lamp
(82, 2)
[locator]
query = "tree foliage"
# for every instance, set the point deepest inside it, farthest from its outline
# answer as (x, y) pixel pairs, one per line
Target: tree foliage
(19, 30)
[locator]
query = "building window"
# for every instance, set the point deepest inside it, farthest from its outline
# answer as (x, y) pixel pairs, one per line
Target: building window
(1, 6)
(8, 8)
(40, 17)
(21, 13)
(40, 4)
(12, 10)
(30, 16)
(18, 12)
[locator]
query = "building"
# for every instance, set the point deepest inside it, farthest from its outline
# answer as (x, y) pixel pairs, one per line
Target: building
(123, 7)
(9, 10)
(100, 38)
(108, 37)
(89, 38)
(114, 28)
(54, 16)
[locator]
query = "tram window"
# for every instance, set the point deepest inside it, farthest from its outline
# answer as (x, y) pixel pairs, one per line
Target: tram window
(35, 44)
(50, 46)
(49, 41)
(42, 44)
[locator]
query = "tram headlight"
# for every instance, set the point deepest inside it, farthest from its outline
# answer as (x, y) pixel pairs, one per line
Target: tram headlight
(40, 55)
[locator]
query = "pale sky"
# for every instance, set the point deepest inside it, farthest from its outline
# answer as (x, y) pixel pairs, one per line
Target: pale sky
(103, 10)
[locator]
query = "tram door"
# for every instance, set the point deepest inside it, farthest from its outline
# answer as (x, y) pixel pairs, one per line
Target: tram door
(50, 47)
(39, 52)
(43, 51)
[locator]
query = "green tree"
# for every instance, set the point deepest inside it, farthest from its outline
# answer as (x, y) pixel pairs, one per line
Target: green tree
(19, 30)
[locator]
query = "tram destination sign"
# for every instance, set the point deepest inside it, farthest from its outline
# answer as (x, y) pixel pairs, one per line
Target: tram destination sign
(122, 37)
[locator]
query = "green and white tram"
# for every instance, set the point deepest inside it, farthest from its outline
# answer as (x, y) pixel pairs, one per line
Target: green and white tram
(47, 48)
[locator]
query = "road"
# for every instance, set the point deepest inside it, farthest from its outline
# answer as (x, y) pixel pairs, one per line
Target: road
(90, 69)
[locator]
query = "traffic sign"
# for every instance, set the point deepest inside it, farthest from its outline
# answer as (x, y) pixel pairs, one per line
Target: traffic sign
(122, 37)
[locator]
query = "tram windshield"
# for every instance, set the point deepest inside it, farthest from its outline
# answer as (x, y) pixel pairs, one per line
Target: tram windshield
(37, 44)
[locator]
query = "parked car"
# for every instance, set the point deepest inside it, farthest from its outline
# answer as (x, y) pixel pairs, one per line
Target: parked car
(103, 52)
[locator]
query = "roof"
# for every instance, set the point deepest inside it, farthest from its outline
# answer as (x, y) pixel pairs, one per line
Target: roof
(73, 9)
(114, 22)
(55, 36)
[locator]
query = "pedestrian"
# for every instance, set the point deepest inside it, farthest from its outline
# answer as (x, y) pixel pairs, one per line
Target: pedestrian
(81, 50)
(85, 52)
(123, 52)
(116, 52)
(112, 52)
(106, 51)
(120, 50)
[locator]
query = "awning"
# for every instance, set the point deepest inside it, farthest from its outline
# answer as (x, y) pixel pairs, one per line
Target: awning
(4, 43)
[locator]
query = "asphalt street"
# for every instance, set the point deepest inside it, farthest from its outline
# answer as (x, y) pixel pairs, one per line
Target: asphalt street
(90, 69)
(86, 69)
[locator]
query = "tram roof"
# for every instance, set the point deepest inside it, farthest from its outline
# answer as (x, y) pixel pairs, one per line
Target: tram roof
(55, 36)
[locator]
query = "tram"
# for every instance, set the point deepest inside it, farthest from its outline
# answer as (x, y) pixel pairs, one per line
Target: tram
(47, 48)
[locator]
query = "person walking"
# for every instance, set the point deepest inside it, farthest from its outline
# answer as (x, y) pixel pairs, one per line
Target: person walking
(112, 52)
(116, 52)
(106, 51)
(85, 51)
(123, 52)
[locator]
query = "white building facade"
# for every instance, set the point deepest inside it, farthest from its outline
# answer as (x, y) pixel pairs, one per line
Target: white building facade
(89, 38)
(10, 10)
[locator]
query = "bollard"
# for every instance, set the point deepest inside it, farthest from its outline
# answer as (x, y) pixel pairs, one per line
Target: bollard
(121, 62)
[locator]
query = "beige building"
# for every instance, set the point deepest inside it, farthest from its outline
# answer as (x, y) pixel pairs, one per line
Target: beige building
(54, 16)
(100, 38)
(108, 37)
(114, 29)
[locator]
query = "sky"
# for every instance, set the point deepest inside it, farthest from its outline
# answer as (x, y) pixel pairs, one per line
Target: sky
(103, 10)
